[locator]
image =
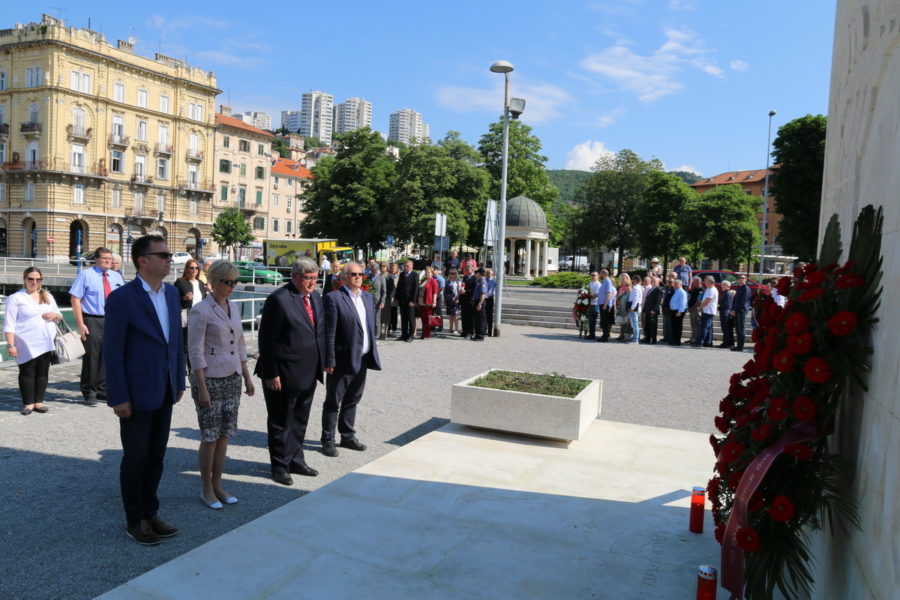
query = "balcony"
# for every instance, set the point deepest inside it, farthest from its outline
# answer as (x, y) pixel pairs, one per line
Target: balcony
(78, 133)
(196, 185)
(194, 155)
(164, 149)
(4, 131)
(32, 129)
(141, 179)
(119, 141)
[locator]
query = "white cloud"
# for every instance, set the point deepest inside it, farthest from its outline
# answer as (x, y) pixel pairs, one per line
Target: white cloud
(542, 100)
(583, 156)
(738, 65)
(683, 5)
(654, 76)
(689, 169)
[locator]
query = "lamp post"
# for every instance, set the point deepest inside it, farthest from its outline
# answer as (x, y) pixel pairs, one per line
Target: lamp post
(502, 66)
(765, 216)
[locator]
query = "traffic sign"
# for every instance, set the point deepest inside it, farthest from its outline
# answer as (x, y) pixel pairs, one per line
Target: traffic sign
(49, 239)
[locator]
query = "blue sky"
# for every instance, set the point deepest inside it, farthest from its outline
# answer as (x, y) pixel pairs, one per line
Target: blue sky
(690, 82)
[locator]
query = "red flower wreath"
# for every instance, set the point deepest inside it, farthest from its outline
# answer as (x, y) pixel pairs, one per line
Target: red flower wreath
(817, 370)
(842, 323)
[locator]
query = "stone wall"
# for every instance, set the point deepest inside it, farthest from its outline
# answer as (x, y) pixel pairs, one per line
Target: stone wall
(862, 166)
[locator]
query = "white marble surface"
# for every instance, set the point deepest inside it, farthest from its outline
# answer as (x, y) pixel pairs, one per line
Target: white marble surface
(467, 514)
(861, 167)
(521, 412)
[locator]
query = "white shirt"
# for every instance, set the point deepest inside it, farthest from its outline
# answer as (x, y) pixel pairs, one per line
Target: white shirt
(595, 291)
(712, 307)
(361, 313)
(326, 266)
(636, 298)
(34, 335)
(197, 297)
(158, 300)
(778, 298)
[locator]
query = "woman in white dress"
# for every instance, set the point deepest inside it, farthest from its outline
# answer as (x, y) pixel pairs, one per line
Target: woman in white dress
(30, 329)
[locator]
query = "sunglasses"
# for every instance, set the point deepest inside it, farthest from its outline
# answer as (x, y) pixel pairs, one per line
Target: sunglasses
(35, 279)
(229, 282)
(354, 274)
(162, 255)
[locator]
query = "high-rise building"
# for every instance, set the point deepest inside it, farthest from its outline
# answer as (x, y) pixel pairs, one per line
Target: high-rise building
(99, 145)
(352, 114)
(317, 116)
(407, 126)
(290, 120)
(260, 120)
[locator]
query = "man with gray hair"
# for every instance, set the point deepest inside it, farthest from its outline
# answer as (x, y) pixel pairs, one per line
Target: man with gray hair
(291, 359)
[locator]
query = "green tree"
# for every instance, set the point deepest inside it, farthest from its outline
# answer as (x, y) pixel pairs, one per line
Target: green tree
(526, 175)
(799, 156)
(312, 142)
(722, 222)
(608, 203)
(232, 229)
(348, 193)
(659, 216)
(688, 177)
(567, 181)
(280, 146)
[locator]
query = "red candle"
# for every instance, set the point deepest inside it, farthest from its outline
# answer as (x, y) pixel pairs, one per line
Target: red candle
(706, 583)
(698, 506)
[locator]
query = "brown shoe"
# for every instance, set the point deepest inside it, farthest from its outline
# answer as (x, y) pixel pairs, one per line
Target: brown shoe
(161, 528)
(143, 533)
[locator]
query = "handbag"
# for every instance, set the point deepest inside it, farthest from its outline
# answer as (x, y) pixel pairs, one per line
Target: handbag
(435, 321)
(68, 343)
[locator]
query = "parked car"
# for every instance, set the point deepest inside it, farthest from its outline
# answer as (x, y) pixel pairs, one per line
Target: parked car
(87, 259)
(254, 272)
(729, 276)
(179, 258)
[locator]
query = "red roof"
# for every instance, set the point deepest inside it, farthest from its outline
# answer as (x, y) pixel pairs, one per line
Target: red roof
(739, 177)
(235, 122)
(291, 168)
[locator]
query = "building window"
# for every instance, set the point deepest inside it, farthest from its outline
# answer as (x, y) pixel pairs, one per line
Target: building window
(34, 77)
(244, 146)
(195, 111)
(290, 183)
(117, 161)
(78, 193)
(34, 113)
(261, 149)
(78, 120)
(142, 131)
(80, 82)
(77, 158)
(2, 80)
(2, 153)
(162, 168)
(259, 223)
(2, 193)
(224, 165)
(226, 142)
(140, 162)
(193, 176)
(142, 98)
(276, 182)
(139, 203)
(275, 200)
(116, 198)
(275, 225)
(259, 197)
(162, 135)
(288, 202)
(119, 92)
(29, 191)
(194, 144)
(32, 154)
(260, 173)
(223, 191)
(243, 169)
(164, 104)
(287, 226)
(242, 196)
(160, 202)
(118, 127)
(192, 206)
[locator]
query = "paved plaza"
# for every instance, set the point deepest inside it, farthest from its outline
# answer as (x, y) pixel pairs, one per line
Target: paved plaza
(63, 534)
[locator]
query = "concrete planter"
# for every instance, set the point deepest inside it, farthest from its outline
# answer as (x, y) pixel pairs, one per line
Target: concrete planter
(525, 413)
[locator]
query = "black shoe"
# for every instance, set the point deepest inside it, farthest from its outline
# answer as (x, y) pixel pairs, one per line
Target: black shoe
(723, 346)
(353, 444)
(282, 478)
(25, 412)
(737, 349)
(90, 402)
(604, 339)
(409, 340)
(695, 345)
(41, 409)
(305, 470)
(143, 533)
(591, 337)
(477, 339)
(161, 528)
(652, 342)
(707, 345)
(329, 449)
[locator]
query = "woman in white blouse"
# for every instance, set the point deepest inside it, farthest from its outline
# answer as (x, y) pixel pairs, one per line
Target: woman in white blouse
(30, 328)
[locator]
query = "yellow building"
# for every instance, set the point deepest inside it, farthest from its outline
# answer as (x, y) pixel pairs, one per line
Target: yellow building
(100, 145)
(290, 179)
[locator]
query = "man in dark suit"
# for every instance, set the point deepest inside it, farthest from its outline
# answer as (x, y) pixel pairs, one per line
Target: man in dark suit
(740, 306)
(466, 299)
(651, 308)
(144, 363)
(407, 289)
(350, 351)
(291, 346)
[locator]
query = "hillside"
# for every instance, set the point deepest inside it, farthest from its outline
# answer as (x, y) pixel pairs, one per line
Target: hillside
(567, 181)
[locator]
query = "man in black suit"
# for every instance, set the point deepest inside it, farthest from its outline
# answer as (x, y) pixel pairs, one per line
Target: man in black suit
(407, 289)
(350, 351)
(291, 347)
(465, 301)
(651, 308)
(740, 306)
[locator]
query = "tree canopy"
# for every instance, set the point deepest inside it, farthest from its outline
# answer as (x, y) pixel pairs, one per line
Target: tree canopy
(722, 223)
(526, 175)
(799, 156)
(232, 229)
(659, 216)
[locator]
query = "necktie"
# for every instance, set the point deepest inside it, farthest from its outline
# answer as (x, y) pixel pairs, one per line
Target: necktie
(309, 310)
(106, 289)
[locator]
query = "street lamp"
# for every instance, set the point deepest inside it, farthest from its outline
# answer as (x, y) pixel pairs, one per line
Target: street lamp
(502, 66)
(765, 216)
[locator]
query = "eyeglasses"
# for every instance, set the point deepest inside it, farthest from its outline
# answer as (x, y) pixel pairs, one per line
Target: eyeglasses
(308, 277)
(162, 255)
(191, 268)
(229, 282)
(35, 279)
(354, 274)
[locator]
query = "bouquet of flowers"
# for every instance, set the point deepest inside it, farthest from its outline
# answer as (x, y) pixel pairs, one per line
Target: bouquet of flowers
(775, 475)
(581, 310)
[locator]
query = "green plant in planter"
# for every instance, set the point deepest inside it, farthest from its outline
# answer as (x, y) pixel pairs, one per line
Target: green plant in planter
(553, 384)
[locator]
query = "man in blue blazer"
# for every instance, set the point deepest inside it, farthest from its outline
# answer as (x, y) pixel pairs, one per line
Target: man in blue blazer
(144, 362)
(350, 351)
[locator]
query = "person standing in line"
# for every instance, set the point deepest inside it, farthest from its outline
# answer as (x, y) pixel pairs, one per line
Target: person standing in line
(379, 291)
(394, 271)
(726, 298)
(219, 358)
(326, 273)
(683, 272)
(116, 263)
(607, 304)
(708, 306)
(624, 293)
(439, 307)
(479, 294)
(491, 284)
(30, 330)
(645, 289)
(635, 299)
(145, 369)
(740, 306)
(666, 311)
(465, 300)
(695, 296)
(388, 310)
(652, 302)
(451, 300)
(207, 263)
(88, 296)
(192, 292)
(451, 263)
(655, 269)
(426, 298)
(677, 308)
(291, 356)
(350, 351)
(594, 293)
(407, 289)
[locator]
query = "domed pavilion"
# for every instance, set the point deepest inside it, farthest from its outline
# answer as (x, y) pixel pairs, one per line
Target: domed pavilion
(528, 238)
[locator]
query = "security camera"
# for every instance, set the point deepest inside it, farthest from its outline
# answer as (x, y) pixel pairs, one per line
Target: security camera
(516, 107)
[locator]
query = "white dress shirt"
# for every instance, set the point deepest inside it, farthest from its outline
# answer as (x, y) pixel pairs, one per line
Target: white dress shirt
(361, 313)
(158, 300)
